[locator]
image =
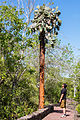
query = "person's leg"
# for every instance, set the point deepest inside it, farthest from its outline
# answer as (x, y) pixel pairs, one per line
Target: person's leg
(64, 111)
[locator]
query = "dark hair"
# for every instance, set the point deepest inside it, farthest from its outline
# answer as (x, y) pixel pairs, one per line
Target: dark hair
(65, 85)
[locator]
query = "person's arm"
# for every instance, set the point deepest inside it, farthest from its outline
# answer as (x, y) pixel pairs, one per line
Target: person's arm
(61, 97)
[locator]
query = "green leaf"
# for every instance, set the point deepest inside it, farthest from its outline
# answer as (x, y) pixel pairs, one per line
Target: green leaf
(59, 22)
(58, 13)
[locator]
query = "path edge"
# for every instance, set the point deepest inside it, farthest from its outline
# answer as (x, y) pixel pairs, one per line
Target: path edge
(40, 114)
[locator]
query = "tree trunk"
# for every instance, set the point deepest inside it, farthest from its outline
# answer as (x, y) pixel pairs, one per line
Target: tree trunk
(42, 63)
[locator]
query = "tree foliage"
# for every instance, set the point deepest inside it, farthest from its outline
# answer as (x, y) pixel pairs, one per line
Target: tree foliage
(77, 81)
(16, 90)
(47, 19)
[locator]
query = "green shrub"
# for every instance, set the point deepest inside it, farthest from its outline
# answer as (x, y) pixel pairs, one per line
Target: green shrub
(47, 102)
(78, 108)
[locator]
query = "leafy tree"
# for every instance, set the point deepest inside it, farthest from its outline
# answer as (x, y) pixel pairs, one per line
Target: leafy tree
(53, 84)
(58, 60)
(45, 20)
(77, 73)
(16, 90)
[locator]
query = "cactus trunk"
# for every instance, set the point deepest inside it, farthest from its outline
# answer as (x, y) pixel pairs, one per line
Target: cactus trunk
(42, 64)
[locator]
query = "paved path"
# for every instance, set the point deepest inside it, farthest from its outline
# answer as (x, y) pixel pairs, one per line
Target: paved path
(57, 113)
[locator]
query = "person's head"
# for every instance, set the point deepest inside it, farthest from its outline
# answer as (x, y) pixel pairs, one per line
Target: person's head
(64, 85)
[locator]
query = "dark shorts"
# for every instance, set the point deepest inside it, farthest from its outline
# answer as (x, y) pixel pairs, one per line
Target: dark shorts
(63, 104)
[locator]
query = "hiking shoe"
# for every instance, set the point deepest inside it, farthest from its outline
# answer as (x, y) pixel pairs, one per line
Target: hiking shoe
(63, 116)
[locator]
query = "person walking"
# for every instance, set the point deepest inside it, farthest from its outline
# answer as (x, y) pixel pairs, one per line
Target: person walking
(62, 100)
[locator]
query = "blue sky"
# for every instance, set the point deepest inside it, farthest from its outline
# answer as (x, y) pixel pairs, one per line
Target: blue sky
(70, 29)
(70, 16)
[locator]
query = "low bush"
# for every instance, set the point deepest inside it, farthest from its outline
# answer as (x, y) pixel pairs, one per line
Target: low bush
(78, 108)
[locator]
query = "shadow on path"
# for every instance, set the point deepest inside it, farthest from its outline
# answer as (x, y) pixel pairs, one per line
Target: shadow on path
(60, 111)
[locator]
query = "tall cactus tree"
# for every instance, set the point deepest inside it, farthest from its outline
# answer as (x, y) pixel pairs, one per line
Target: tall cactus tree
(47, 22)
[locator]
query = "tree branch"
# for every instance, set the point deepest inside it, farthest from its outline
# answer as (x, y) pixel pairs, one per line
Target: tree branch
(22, 73)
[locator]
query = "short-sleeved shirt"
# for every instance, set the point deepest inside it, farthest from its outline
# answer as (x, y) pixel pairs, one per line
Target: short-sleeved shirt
(64, 91)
